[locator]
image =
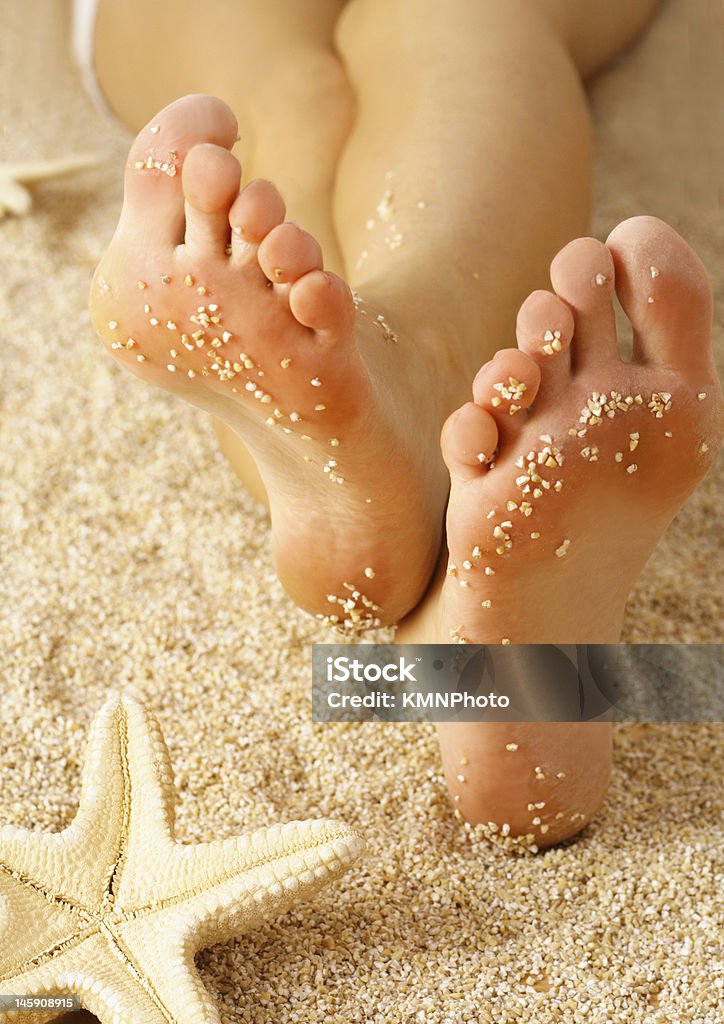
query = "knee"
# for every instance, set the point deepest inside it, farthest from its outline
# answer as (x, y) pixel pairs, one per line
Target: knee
(309, 85)
(372, 28)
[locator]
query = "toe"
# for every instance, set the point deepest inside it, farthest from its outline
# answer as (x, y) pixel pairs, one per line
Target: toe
(287, 253)
(153, 204)
(211, 178)
(507, 384)
(583, 276)
(257, 209)
(665, 292)
(544, 330)
(323, 301)
(469, 439)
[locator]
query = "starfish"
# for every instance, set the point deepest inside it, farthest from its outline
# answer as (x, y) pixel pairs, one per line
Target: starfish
(112, 909)
(15, 198)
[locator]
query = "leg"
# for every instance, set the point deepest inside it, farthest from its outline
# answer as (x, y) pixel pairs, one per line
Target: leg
(440, 208)
(594, 32)
(469, 164)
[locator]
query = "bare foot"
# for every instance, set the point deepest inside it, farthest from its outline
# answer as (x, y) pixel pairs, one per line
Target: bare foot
(208, 293)
(566, 469)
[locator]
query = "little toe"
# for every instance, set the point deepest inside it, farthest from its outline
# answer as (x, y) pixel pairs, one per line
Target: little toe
(583, 276)
(665, 292)
(544, 330)
(153, 202)
(211, 178)
(469, 439)
(257, 209)
(507, 384)
(288, 252)
(323, 301)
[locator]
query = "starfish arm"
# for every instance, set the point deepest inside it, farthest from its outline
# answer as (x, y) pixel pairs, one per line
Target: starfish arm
(113, 910)
(75, 864)
(37, 170)
(148, 831)
(106, 983)
(32, 924)
(167, 969)
(222, 890)
(226, 888)
(13, 197)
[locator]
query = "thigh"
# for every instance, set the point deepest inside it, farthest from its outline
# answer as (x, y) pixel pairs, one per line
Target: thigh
(593, 31)
(148, 54)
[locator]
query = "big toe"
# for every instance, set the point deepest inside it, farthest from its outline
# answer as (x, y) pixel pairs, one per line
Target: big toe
(582, 274)
(664, 290)
(153, 204)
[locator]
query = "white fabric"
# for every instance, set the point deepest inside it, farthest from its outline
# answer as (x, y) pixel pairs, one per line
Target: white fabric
(82, 36)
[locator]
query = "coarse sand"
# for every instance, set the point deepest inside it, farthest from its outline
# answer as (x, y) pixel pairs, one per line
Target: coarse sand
(131, 559)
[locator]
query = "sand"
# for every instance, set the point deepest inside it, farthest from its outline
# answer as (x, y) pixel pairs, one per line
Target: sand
(131, 559)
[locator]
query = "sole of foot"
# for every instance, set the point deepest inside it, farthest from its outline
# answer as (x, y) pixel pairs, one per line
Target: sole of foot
(207, 292)
(565, 470)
